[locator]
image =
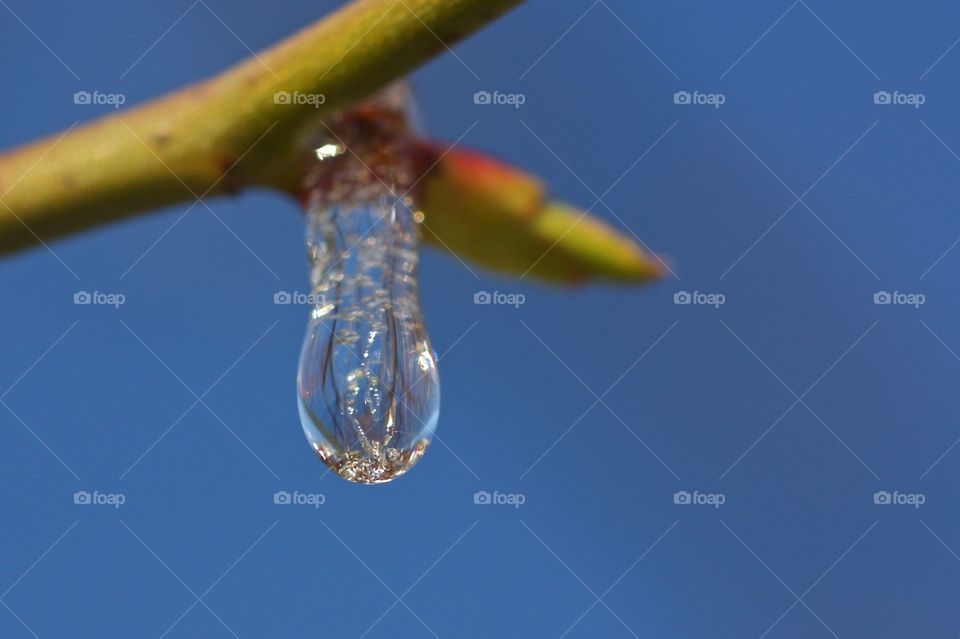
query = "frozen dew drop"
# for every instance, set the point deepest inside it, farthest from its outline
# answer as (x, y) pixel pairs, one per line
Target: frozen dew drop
(369, 393)
(368, 389)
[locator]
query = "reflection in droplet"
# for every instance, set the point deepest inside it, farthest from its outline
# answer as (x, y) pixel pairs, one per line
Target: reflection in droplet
(368, 389)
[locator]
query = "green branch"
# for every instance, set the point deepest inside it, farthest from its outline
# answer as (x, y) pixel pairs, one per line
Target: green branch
(231, 133)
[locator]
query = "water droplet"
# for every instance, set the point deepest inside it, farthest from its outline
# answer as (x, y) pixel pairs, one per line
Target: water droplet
(368, 389)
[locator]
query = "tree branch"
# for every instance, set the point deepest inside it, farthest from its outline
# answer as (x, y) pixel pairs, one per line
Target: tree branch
(226, 133)
(230, 133)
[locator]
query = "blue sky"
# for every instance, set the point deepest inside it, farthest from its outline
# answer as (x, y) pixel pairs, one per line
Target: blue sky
(797, 161)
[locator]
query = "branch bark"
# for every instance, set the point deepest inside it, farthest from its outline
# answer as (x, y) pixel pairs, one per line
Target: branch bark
(230, 133)
(226, 133)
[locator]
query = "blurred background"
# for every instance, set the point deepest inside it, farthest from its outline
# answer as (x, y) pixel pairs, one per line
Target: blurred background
(776, 458)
